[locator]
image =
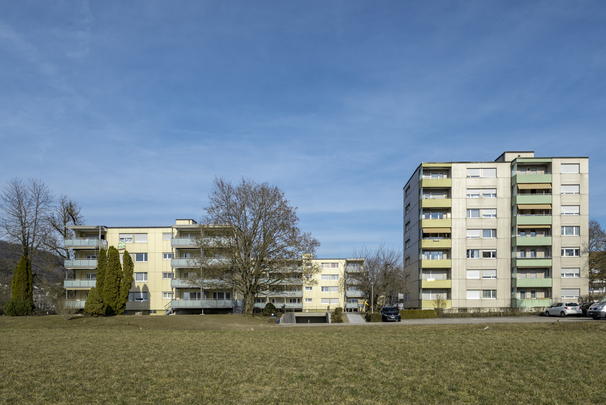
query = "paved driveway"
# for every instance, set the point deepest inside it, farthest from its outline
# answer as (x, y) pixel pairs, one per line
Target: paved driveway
(355, 318)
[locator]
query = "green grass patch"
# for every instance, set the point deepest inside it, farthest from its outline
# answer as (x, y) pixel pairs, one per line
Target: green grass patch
(237, 359)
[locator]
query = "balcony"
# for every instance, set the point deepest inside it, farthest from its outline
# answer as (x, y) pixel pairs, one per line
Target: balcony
(354, 294)
(84, 243)
(532, 262)
(351, 305)
(531, 178)
(439, 183)
(79, 284)
(432, 283)
(436, 264)
(431, 304)
(75, 304)
(80, 264)
(436, 223)
(206, 303)
(183, 242)
(532, 220)
(532, 199)
(261, 305)
(436, 203)
(531, 282)
(288, 294)
(436, 243)
(206, 284)
(531, 303)
(531, 241)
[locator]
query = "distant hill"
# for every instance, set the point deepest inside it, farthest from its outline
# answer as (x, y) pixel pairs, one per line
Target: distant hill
(45, 265)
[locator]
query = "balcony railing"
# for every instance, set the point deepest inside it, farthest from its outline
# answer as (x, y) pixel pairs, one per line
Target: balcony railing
(354, 293)
(205, 303)
(84, 243)
(279, 305)
(187, 242)
(532, 282)
(531, 241)
(73, 283)
(80, 264)
(76, 304)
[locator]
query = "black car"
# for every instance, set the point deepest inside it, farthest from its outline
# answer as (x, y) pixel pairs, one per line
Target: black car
(585, 306)
(390, 314)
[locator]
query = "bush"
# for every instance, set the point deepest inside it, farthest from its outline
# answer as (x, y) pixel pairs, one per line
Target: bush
(337, 315)
(376, 317)
(94, 304)
(270, 309)
(19, 308)
(418, 314)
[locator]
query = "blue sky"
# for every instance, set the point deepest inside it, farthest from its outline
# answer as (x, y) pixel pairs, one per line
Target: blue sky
(133, 108)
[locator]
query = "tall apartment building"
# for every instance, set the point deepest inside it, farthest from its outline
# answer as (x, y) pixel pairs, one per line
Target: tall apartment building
(163, 273)
(496, 234)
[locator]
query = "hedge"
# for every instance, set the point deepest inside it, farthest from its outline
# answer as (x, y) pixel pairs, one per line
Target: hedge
(418, 314)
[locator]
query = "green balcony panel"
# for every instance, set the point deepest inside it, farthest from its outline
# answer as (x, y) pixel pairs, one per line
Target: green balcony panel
(531, 178)
(532, 199)
(532, 220)
(436, 243)
(437, 183)
(436, 264)
(531, 241)
(436, 284)
(533, 262)
(436, 203)
(532, 282)
(436, 223)
(532, 303)
(431, 304)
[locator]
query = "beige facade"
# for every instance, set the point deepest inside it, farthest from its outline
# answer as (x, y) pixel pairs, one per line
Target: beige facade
(163, 273)
(505, 233)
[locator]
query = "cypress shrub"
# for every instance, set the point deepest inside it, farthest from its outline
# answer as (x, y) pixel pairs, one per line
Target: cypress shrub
(337, 315)
(127, 282)
(19, 308)
(101, 266)
(22, 285)
(94, 304)
(111, 284)
(270, 309)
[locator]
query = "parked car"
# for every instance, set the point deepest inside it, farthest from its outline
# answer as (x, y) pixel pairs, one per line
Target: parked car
(563, 309)
(585, 306)
(390, 314)
(598, 310)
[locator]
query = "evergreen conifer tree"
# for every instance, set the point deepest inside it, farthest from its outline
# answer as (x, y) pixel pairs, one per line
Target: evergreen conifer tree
(94, 304)
(101, 266)
(111, 283)
(22, 289)
(127, 282)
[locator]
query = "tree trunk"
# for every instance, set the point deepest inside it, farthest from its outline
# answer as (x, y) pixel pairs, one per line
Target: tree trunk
(249, 303)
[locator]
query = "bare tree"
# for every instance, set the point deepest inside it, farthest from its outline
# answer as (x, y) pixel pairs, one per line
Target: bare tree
(251, 242)
(596, 248)
(24, 214)
(382, 277)
(65, 213)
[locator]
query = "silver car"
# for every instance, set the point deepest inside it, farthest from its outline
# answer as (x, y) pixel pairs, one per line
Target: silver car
(598, 310)
(563, 309)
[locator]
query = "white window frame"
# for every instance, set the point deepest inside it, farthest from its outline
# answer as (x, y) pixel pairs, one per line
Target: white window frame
(334, 277)
(471, 211)
(325, 277)
(489, 193)
(492, 233)
(489, 294)
(140, 238)
(140, 277)
(565, 252)
(473, 193)
(473, 274)
(489, 274)
(325, 289)
(492, 254)
(308, 300)
(142, 256)
(489, 213)
(167, 295)
(570, 188)
(167, 276)
(575, 230)
(307, 288)
(167, 256)
(473, 172)
(472, 254)
(571, 273)
(473, 233)
(570, 292)
(490, 172)
(474, 294)
(126, 237)
(572, 168)
(570, 210)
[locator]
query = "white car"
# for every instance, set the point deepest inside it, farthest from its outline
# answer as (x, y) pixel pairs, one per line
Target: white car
(564, 308)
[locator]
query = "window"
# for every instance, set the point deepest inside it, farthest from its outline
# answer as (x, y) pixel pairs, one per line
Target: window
(334, 289)
(473, 193)
(570, 292)
(407, 227)
(570, 210)
(140, 277)
(334, 265)
(570, 252)
(489, 254)
(91, 257)
(473, 253)
(570, 189)
(571, 273)
(407, 209)
(308, 288)
(473, 213)
(167, 296)
(185, 256)
(473, 172)
(433, 215)
(570, 231)
(326, 265)
(137, 297)
(473, 274)
(489, 172)
(194, 295)
(220, 295)
(569, 168)
(407, 244)
(91, 276)
(406, 191)
(325, 277)
(473, 294)
(167, 256)
(167, 276)
(433, 255)
(140, 238)
(334, 277)
(325, 289)
(126, 237)
(436, 176)
(489, 193)
(489, 213)
(489, 233)
(489, 294)
(308, 300)
(473, 234)
(533, 294)
(167, 235)
(489, 274)
(140, 257)
(407, 261)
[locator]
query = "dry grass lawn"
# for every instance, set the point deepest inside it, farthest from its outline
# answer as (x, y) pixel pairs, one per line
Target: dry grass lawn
(237, 359)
